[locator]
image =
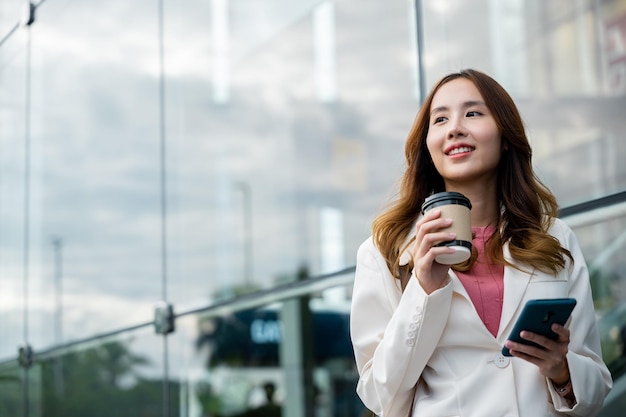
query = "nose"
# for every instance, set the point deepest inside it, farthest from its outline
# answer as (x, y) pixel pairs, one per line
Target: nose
(456, 128)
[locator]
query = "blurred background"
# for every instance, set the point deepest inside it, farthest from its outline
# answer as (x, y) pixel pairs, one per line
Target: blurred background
(184, 185)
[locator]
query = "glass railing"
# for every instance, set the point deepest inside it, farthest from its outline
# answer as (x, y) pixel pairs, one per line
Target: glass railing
(288, 345)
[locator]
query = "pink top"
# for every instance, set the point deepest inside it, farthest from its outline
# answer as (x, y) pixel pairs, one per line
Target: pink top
(485, 282)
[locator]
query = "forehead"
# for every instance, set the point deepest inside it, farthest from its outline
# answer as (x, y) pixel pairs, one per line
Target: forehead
(457, 91)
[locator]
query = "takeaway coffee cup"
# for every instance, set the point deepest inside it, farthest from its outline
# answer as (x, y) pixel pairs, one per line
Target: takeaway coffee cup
(457, 207)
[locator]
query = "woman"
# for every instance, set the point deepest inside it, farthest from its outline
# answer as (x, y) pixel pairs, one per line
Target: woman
(428, 337)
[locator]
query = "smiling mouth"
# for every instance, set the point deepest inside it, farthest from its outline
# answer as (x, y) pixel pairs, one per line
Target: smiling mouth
(462, 149)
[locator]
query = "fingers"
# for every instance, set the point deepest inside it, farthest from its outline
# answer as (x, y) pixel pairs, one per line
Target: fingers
(562, 332)
(547, 354)
(546, 343)
(431, 231)
(543, 345)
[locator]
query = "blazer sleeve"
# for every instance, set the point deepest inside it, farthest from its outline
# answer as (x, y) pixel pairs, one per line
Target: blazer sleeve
(591, 379)
(393, 333)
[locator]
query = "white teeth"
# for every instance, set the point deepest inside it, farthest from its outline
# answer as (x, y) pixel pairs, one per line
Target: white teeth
(460, 150)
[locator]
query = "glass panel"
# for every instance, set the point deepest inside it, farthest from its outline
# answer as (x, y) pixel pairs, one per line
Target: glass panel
(12, 166)
(286, 124)
(96, 222)
(246, 362)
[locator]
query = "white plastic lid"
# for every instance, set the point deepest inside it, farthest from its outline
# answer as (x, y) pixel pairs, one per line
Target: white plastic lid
(462, 254)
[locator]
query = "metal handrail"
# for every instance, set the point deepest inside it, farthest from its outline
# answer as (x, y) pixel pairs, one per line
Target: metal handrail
(247, 301)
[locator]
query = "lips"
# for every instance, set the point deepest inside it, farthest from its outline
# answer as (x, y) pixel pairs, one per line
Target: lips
(459, 149)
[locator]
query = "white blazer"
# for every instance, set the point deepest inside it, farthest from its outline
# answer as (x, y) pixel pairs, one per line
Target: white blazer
(434, 350)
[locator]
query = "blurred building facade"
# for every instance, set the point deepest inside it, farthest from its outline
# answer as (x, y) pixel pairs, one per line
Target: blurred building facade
(184, 185)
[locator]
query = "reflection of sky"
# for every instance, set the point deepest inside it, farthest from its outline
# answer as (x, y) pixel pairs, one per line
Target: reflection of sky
(95, 151)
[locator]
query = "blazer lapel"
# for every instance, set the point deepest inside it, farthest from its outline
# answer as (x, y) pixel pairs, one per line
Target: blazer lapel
(457, 285)
(515, 284)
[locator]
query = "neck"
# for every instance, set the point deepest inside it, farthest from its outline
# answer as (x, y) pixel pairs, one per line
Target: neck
(485, 209)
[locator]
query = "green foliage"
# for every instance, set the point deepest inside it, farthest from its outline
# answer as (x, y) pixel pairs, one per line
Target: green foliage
(11, 392)
(601, 289)
(100, 382)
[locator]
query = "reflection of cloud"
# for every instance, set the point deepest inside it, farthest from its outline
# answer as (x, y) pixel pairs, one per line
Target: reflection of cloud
(132, 310)
(10, 299)
(79, 318)
(96, 166)
(124, 36)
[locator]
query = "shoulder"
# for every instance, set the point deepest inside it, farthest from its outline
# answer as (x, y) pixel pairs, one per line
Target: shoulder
(368, 251)
(561, 230)
(370, 261)
(373, 282)
(367, 244)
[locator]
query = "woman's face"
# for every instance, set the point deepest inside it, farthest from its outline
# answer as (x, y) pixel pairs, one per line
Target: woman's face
(463, 138)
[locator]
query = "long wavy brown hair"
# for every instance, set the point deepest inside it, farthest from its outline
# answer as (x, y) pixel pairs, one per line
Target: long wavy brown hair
(527, 205)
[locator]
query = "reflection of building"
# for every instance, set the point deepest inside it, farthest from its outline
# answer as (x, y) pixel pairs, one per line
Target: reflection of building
(252, 338)
(247, 344)
(308, 103)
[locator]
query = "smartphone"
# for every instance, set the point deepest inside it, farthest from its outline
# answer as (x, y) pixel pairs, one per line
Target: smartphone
(538, 317)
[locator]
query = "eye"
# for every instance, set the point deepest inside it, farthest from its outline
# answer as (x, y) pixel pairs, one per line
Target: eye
(439, 119)
(473, 113)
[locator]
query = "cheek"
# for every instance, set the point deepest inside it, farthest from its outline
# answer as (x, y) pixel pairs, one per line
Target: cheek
(492, 140)
(434, 145)
(431, 144)
(499, 143)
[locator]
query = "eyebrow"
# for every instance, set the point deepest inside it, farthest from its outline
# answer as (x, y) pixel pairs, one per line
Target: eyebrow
(464, 105)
